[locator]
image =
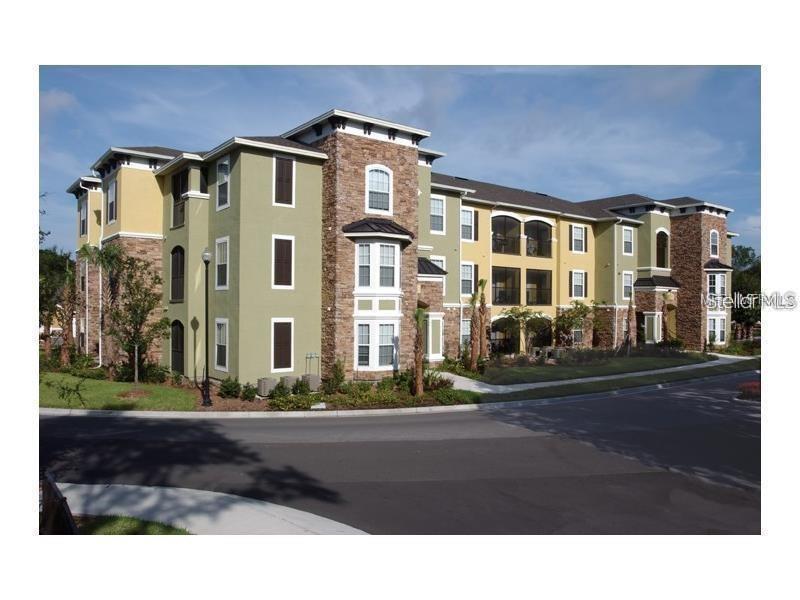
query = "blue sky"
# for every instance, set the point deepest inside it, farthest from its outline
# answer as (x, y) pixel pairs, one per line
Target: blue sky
(574, 132)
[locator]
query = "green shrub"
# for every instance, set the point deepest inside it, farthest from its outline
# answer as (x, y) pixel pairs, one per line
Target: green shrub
(449, 396)
(585, 356)
(82, 361)
(149, 373)
(434, 380)
(334, 383)
(279, 391)
(230, 388)
(387, 384)
(744, 348)
(357, 389)
(248, 392)
(286, 402)
(301, 387)
(177, 379)
(404, 380)
(457, 367)
(91, 373)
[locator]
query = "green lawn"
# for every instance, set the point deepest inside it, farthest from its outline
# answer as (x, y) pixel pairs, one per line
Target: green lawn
(572, 389)
(104, 395)
(612, 366)
(91, 525)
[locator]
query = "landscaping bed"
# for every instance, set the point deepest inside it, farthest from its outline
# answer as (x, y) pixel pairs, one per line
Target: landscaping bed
(113, 525)
(743, 348)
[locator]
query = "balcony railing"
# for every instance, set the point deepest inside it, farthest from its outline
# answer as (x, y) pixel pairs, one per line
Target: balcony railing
(505, 296)
(505, 244)
(534, 296)
(534, 247)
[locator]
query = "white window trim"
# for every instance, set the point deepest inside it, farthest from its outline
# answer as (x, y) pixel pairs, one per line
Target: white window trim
(444, 214)
(374, 344)
(272, 322)
(717, 315)
(657, 322)
(375, 267)
(227, 240)
(111, 183)
(217, 366)
(444, 266)
(572, 239)
(583, 284)
(460, 278)
(474, 219)
(633, 243)
(461, 333)
(624, 273)
(276, 236)
(435, 317)
(711, 244)
(83, 216)
(275, 178)
(223, 159)
(375, 211)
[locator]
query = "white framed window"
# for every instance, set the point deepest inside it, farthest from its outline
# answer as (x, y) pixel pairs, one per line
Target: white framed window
(577, 336)
(221, 344)
(364, 265)
(715, 333)
(625, 326)
(467, 279)
(376, 345)
(652, 327)
(713, 239)
(388, 265)
(377, 266)
(282, 262)
(627, 241)
(577, 241)
(111, 202)
(466, 328)
(468, 224)
(378, 190)
(283, 181)
(282, 344)
(221, 262)
(577, 288)
(627, 285)
(223, 182)
(717, 285)
(82, 215)
(438, 217)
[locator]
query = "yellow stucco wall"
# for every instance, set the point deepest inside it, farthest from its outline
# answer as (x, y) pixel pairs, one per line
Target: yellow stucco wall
(478, 251)
(569, 261)
(139, 202)
(92, 237)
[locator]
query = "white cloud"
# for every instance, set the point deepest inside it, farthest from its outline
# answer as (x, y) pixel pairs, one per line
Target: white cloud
(54, 101)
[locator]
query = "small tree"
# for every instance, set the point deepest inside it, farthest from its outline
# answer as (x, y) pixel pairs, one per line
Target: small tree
(53, 268)
(131, 316)
(484, 321)
(520, 315)
(535, 328)
(65, 311)
(631, 327)
(570, 319)
(474, 333)
(419, 352)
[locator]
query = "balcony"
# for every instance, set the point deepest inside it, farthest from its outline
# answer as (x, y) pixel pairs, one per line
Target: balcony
(502, 244)
(505, 296)
(540, 248)
(538, 296)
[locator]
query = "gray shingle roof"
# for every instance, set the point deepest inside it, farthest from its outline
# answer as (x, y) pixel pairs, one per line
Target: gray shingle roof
(374, 225)
(715, 263)
(656, 281)
(427, 267)
(163, 150)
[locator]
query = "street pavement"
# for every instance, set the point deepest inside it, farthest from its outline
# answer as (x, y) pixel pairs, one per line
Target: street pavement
(685, 459)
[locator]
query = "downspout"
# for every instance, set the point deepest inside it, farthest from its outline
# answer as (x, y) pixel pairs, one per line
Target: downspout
(614, 326)
(86, 275)
(100, 282)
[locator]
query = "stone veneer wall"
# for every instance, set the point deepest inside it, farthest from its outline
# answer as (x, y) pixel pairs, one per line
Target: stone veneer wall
(88, 299)
(343, 194)
(151, 250)
(606, 318)
(689, 251)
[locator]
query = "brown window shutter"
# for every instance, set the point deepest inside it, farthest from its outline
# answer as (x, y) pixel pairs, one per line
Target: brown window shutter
(475, 225)
(586, 239)
(571, 248)
(283, 181)
(282, 344)
(283, 262)
(570, 279)
(475, 278)
(586, 285)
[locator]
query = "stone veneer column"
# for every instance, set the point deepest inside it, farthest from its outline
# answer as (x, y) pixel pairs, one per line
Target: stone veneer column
(343, 194)
(689, 251)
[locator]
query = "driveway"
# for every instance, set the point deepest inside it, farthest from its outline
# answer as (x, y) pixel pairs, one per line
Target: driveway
(680, 460)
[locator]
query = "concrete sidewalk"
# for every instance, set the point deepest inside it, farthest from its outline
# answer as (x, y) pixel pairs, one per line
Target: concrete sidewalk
(198, 511)
(465, 383)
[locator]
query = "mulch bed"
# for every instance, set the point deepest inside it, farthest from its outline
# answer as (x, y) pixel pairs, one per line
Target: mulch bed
(228, 404)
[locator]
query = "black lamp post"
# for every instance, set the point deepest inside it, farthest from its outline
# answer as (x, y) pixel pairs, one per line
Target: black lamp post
(206, 395)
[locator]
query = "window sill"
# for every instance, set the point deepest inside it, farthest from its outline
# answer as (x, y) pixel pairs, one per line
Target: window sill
(174, 227)
(177, 301)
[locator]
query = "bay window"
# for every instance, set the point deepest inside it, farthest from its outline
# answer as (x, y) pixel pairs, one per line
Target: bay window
(375, 345)
(378, 265)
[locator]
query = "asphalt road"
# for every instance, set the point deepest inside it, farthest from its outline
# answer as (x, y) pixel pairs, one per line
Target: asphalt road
(681, 460)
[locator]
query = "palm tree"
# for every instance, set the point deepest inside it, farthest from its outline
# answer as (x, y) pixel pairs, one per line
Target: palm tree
(474, 333)
(419, 352)
(484, 321)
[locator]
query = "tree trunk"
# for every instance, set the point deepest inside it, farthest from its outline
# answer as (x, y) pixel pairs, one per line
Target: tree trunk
(66, 344)
(48, 343)
(474, 340)
(419, 355)
(136, 365)
(484, 325)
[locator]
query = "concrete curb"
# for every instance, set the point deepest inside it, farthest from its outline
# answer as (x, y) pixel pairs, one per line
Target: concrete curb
(378, 412)
(198, 511)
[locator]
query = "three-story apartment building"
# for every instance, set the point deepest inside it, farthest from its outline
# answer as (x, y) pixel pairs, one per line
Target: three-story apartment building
(322, 243)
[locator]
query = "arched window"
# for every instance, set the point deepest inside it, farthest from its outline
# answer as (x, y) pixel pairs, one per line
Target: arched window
(662, 250)
(176, 341)
(539, 236)
(379, 189)
(505, 235)
(176, 274)
(714, 242)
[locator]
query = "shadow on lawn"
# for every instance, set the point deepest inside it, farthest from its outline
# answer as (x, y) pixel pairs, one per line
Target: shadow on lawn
(699, 430)
(157, 452)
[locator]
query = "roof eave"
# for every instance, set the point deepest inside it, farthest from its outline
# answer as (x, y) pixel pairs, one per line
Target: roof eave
(238, 141)
(117, 150)
(336, 112)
